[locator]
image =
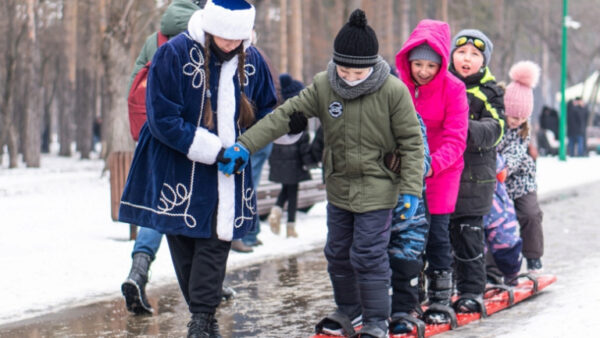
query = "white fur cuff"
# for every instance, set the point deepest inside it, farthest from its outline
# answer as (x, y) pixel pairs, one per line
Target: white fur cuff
(288, 139)
(205, 147)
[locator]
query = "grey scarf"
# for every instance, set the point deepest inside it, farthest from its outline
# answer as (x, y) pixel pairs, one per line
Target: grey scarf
(381, 70)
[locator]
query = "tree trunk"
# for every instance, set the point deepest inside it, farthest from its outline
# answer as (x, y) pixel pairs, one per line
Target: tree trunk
(443, 10)
(7, 112)
(13, 148)
(405, 20)
(85, 103)
(283, 35)
(420, 7)
(389, 45)
(116, 71)
(34, 112)
(297, 40)
(67, 106)
(545, 67)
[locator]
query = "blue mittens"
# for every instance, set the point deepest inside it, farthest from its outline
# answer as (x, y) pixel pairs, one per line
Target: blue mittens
(409, 206)
(233, 159)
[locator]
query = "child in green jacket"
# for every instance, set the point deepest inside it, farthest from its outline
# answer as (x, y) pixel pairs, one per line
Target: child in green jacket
(366, 113)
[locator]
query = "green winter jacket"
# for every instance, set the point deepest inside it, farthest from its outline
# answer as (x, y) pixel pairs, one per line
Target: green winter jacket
(172, 22)
(358, 133)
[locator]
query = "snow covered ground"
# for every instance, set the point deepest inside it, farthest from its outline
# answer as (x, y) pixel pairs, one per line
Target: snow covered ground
(60, 248)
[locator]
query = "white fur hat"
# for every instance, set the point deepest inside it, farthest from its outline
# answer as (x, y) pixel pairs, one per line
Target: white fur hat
(228, 19)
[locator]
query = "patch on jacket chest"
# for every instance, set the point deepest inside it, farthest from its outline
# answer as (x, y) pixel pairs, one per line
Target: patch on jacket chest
(335, 109)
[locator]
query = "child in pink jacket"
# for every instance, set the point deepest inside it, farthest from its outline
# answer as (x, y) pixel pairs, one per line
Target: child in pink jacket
(440, 98)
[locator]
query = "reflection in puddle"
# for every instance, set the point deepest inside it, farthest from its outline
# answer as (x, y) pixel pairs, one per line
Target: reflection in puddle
(282, 298)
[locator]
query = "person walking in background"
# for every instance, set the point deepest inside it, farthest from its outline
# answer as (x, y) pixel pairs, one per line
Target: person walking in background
(577, 116)
(471, 52)
(286, 166)
(441, 100)
(147, 242)
(174, 185)
(520, 181)
(365, 113)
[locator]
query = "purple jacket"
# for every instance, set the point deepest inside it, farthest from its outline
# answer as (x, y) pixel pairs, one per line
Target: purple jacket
(443, 105)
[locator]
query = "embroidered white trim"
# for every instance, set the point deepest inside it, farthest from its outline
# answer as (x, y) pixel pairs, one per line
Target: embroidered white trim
(195, 68)
(249, 70)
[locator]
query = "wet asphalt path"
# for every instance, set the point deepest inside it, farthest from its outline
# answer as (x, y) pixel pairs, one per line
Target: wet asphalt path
(285, 298)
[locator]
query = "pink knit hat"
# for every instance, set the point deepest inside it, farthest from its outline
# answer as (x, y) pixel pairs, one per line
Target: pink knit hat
(518, 97)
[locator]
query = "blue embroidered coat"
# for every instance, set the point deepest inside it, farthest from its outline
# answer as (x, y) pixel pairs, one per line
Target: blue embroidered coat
(174, 186)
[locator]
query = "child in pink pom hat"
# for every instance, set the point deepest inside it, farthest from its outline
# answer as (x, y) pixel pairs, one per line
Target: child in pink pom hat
(520, 181)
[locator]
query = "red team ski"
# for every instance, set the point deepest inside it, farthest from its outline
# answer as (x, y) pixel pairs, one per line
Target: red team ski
(496, 298)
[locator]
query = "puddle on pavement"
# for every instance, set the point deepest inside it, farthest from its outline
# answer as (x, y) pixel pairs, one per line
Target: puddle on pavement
(283, 298)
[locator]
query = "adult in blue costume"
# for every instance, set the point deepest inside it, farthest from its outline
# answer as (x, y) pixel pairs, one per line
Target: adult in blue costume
(202, 87)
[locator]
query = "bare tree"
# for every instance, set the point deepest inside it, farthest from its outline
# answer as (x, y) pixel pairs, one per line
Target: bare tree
(405, 20)
(34, 112)
(67, 97)
(283, 35)
(296, 37)
(116, 40)
(85, 97)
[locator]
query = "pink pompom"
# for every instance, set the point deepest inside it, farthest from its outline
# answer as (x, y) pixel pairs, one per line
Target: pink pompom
(526, 73)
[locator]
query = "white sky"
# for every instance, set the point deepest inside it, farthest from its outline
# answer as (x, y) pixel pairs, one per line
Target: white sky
(60, 248)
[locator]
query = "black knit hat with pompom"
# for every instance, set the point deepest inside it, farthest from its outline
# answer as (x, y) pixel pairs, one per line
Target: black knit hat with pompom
(356, 44)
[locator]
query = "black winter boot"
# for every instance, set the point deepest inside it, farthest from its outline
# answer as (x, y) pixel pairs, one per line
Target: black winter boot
(345, 293)
(203, 325)
(375, 300)
(439, 294)
(134, 288)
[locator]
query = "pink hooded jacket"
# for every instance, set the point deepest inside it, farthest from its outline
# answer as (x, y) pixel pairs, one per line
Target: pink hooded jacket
(442, 103)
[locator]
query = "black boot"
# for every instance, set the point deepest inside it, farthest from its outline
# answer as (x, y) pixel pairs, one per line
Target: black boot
(375, 300)
(134, 288)
(345, 293)
(203, 325)
(439, 294)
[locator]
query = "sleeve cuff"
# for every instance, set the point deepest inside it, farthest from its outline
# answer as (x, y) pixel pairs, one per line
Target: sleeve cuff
(205, 147)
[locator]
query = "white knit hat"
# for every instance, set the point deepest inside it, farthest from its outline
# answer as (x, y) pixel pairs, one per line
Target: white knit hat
(228, 19)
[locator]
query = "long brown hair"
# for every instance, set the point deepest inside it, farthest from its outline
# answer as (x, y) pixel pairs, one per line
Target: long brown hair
(246, 117)
(524, 132)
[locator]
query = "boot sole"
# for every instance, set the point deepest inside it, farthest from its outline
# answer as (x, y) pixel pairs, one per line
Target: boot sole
(133, 299)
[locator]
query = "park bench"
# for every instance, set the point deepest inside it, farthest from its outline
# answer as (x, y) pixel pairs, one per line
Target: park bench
(309, 192)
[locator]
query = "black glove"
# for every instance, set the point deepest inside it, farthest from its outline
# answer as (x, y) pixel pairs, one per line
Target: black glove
(392, 162)
(221, 158)
(239, 163)
(297, 123)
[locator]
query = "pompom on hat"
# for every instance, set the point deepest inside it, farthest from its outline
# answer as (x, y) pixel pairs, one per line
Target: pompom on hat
(228, 19)
(289, 86)
(356, 44)
(518, 97)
